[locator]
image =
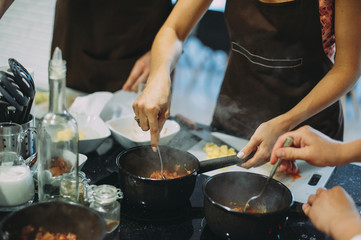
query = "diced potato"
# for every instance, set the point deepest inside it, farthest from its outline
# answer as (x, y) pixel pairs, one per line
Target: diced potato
(81, 135)
(68, 134)
(215, 151)
(41, 97)
(64, 135)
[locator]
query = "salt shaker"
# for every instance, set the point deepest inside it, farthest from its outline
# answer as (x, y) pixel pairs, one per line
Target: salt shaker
(104, 199)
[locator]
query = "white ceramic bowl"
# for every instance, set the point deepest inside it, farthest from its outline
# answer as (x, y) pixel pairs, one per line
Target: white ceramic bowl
(95, 131)
(127, 132)
(82, 160)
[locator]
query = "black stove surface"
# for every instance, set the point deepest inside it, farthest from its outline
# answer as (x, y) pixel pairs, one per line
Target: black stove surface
(143, 214)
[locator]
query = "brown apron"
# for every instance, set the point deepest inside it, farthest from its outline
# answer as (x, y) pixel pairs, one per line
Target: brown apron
(276, 59)
(102, 39)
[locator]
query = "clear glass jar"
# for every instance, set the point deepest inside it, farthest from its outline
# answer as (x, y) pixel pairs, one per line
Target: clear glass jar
(16, 180)
(58, 137)
(68, 188)
(104, 199)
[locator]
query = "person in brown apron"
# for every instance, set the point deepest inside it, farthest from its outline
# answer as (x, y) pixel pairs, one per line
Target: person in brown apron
(4, 5)
(278, 75)
(102, 40)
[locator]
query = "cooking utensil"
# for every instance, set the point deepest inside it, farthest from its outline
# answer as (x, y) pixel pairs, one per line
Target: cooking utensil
(161, 163)
(13, 115)
(4, 110)
(6, 80)
(225, 192)
(55, 217)
(22, 76)
(25, 82)
(10, 89)
(257, 201)
(10, 99)
(138, 163)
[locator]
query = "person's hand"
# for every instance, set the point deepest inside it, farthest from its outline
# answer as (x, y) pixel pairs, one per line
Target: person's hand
(262, 142)
(334, 213)
(308, 144)
(139, 73)
(152, 107)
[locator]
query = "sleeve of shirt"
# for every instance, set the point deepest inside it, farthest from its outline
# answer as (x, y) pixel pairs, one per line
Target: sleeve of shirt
(357, 237)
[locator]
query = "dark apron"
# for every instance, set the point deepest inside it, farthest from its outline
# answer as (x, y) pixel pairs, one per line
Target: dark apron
(276, 59)
(102, 39)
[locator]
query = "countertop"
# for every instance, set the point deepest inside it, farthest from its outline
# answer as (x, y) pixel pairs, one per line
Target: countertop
(102, 170)
(191, 224)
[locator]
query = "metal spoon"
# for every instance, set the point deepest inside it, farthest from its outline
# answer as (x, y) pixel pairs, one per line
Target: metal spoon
(287, 143)
(161, 163)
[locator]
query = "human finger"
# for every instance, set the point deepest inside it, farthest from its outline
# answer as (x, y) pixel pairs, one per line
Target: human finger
(283, 166)
(251, 146)
(306, 207)
(288, 167)
(311, 199)
(259, 158)
(292, 167)
(279, 144)
(132, 79)
(137, 114)
(292, 153)
(320, 191)
(154, 131)
(141, 79)
(143, 121)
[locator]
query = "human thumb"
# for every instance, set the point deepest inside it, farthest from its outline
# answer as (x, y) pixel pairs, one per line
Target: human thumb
(289, 153)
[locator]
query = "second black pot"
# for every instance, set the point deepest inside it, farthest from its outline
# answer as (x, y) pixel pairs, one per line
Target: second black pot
(226, 191)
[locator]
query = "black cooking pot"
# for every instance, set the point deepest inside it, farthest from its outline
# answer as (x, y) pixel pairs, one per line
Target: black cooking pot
(137, 164)
(226, 191)
(55, 217)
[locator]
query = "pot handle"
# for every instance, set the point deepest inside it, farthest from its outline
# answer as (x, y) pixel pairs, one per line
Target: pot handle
(216, 163)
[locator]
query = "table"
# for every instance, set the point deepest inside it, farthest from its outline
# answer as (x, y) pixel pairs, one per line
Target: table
(102, 170)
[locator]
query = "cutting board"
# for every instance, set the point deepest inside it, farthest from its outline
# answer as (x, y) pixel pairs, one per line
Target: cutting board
(301, 187)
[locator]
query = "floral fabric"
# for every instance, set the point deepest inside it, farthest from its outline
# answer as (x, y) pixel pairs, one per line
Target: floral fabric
(326, 9)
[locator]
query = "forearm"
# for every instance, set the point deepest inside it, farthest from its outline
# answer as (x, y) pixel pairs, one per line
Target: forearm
(4, 5)
(331, 88)
(168, 44)
(351, 151)
(165, 51)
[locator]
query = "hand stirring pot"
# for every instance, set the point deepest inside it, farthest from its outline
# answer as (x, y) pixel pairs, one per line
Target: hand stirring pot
(258, 204)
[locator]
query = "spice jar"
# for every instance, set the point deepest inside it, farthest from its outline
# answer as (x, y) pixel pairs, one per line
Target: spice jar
(104, 199)
(69, 187)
